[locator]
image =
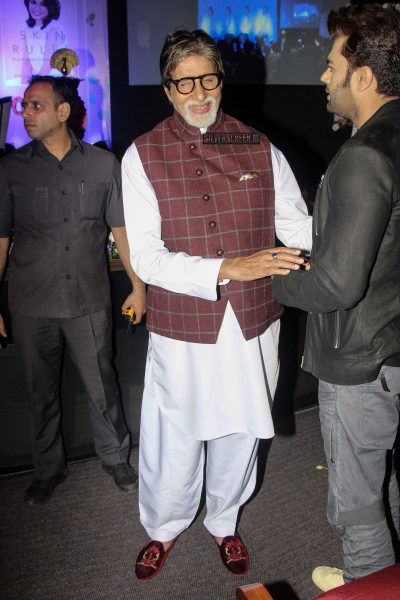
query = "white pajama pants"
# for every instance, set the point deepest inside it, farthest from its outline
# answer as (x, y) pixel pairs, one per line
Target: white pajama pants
(171, 468)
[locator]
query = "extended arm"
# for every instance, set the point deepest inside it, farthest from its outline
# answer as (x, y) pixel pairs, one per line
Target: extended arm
(360, 201)
(178, 271)
(293, 227)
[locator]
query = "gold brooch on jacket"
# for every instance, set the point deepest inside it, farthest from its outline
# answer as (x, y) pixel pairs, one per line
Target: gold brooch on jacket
(246, 176)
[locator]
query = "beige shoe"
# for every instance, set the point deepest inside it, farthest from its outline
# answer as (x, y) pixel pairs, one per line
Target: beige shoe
(327, 578)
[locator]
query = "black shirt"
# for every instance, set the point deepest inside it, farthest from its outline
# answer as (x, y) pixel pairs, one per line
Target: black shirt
(59, 213)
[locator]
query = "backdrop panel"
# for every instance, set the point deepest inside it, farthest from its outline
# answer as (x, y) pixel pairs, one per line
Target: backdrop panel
(27, 42)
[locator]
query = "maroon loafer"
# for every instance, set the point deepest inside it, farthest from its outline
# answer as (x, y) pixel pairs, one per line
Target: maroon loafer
(151, 559)
(234, 555)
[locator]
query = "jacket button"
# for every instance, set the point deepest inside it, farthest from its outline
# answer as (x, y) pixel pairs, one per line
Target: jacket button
(206, 197)
(64, 192)
(212, 224)
(192, 146)
(68, 277)
(66, 220)
(199, 172)
(220, 252)
(66, 248)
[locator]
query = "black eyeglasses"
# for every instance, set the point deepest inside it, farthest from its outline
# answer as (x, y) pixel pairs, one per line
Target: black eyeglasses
(185, 85)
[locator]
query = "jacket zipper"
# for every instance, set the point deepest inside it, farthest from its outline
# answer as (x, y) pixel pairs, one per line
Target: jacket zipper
(336, 337)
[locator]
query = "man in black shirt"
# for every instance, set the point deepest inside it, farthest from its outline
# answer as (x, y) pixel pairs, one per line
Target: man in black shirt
(58, 197)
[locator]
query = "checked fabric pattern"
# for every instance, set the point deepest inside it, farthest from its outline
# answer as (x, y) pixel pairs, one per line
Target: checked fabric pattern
(209, 209)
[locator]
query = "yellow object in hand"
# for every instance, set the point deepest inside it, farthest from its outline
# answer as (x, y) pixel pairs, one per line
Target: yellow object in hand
(130, 314)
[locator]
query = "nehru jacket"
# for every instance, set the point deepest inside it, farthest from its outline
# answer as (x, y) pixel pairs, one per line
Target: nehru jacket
(216, 199)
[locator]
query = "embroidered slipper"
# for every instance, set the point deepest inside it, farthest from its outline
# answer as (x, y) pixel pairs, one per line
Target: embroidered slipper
(234, 554)
(151, 559)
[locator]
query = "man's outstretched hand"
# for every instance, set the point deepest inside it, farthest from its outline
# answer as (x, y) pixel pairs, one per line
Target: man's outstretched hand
(273, 261)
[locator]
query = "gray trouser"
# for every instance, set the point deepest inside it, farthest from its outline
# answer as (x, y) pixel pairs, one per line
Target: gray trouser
(359, 426)
(39, 343)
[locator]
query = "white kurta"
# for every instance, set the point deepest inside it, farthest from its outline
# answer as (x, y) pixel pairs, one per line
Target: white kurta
(208, 390)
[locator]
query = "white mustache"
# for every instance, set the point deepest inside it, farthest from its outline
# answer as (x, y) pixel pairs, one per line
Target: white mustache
(191, 103)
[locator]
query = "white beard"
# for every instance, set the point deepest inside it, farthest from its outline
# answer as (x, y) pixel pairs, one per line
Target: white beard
(201, 120)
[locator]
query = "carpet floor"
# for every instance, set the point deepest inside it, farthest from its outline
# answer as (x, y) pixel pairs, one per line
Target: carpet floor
(83, 543)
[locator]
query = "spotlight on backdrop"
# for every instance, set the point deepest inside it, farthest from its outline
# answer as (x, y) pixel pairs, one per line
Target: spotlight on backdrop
(64, 60)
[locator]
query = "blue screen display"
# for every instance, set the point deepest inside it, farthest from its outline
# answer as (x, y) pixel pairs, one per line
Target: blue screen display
(299, 15)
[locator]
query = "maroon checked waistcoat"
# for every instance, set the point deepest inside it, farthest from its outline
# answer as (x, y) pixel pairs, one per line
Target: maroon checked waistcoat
(215, 200)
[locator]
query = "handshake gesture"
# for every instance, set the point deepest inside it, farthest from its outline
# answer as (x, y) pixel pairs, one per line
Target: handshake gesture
(273, 261)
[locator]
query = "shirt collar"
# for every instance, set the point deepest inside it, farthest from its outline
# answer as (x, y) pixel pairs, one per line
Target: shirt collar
(37, 147)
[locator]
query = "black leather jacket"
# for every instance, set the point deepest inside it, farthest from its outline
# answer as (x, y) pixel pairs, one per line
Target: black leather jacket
(352, 291)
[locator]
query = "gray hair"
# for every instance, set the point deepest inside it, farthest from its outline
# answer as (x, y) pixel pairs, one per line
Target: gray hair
(183, 43)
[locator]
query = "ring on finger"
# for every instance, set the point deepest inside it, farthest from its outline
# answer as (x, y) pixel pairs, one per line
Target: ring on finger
(274, 255)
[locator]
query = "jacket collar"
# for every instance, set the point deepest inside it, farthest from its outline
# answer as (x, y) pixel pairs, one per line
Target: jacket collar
(390, 108)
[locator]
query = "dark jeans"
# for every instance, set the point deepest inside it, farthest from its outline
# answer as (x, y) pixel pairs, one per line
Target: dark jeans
(39, 343)
(359, 426)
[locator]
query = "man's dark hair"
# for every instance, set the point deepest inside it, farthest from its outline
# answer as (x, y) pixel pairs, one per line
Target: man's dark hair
(183, 43)
(66, 90)
(373, 40)
(53, 8)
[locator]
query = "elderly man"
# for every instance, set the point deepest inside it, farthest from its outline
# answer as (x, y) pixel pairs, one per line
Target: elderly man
(58, 196)
(210, 193)
(353, 288)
